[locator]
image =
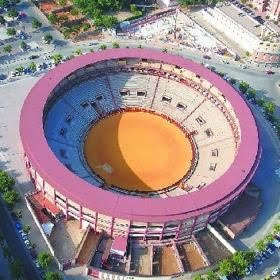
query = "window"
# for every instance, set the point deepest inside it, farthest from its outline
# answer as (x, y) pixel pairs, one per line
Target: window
(99, 97)
(166, 99)
(69, 118)
(84, 104)
(62, 153)
(62, 131)
(181, 106)
(124, 92)
(209, 132)
(200, 120)
(141, 93)
(197, 76)
(215, 153)
(212, 166)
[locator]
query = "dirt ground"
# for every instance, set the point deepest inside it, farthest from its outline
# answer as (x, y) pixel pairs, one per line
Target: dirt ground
(194, 258)
(169, 264)
(139, 151)
(140, 261)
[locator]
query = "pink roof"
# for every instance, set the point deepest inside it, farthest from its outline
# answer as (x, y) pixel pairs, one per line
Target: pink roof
(135, 208)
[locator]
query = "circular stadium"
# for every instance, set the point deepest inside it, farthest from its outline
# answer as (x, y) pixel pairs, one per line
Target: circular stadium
(138, 143)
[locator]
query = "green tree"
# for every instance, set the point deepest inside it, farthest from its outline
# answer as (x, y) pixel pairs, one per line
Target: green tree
(26, 228)
(276, 228)
(47, 38)
(211, 275)
(269, 238)
(57, 58)
(260, 102)
(20, 69)
(226, 267)
(139, 46)
(11, 197)
(62, 2)
(44, 259)
(197, 277)
(241, 260)
(23, 45)
(53, 18)
(232, 81)
(2, 239)
(4, 3)
(7, 253)
(78, 52)
(86, 26)
(6, 181)
(16, 268)
(251, 93)
(2, 20)
(13, 13)
(36, 23)
(269, 108)
(105, 21)
(50, 275)
(74, 12)
(260, 245)
(33, 66)
(243, 87)
(116, 45)
(11, 31)
(103, 47)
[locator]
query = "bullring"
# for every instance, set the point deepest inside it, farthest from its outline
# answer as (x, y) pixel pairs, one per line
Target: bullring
(75, 96)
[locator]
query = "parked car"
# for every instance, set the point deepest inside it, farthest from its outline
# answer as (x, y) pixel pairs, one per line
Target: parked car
(206, 56)
(269, 250)
(36, 262)
(275, 272)
(269, 72)
(33, 253)
(18, 226)
(33, 56)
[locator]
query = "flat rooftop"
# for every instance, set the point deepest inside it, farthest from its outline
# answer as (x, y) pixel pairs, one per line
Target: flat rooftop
(240, 17)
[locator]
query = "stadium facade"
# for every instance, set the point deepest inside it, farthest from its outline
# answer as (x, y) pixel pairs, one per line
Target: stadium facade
(69, 99)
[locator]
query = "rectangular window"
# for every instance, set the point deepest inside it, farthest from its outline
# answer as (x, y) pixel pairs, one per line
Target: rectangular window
(215, 153)
(84, 104)
(181, 106)
(212, 166)
(209, 132)
(99, 97)
(200, 120)
(166, 99)
(124, 92)
(141, 93)
(63, 131)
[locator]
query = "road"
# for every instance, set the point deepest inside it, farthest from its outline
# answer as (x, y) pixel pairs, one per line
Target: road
(15, 244)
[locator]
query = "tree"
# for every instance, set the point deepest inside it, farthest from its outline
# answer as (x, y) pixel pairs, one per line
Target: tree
(116, 45)
(11, 197)
(33, 66)
(232, 81)
(36, 23)
(23, 45)
(49, 275)
(247, 53)
(57, 58)
(105, 21)
(276, 228)
(86, 26)
(26, 228)
(226, 267)
(8, 49)
(103, 47)
(251, 93)
(11, 31)
(62, 2)
(139, 46)
(7, 252)
(260, 245)
(44, 259)
(260, 102)
(2, 20)
(13, 13)
(6, 181)
(20, 69)
(269, 238)
(243, 87)
(4, 3)
(211, 275)
(269, 108)
(47, 38)
(78, 52)
(16, 268)
(197, 277)
(241, 260)
(53, 18)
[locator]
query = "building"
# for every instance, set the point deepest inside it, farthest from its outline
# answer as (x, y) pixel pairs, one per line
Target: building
(218, 154)
(270, 7)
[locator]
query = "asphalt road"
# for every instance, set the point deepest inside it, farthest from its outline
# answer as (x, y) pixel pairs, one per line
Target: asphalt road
(15, 244)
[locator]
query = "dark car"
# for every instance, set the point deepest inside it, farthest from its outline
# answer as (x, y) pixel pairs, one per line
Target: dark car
(269, 72)
(207, 56)
(33, 56)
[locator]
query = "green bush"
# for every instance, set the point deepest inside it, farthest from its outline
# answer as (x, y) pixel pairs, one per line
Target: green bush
(6, 181)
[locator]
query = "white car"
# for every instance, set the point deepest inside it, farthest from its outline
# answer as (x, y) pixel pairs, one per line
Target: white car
(275, 272)
(276, 242)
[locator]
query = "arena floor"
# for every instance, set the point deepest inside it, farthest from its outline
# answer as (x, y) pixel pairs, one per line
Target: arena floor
(138, 151)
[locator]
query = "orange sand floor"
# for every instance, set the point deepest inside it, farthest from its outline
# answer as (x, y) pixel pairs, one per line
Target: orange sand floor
(138, 151)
